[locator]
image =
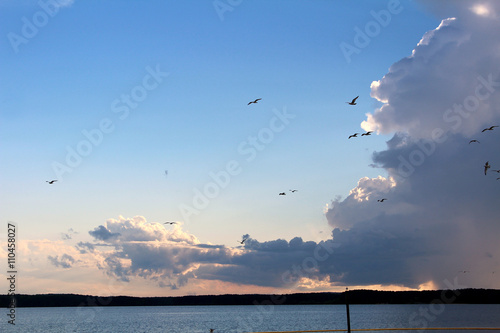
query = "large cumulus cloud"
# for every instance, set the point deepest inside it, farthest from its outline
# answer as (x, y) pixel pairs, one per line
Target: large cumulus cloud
(442, 213)
(450, 81)
(441, 219)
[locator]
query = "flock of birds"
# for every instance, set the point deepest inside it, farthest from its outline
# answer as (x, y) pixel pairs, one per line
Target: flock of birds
(487, 165)
(355, 135)
(284, 193)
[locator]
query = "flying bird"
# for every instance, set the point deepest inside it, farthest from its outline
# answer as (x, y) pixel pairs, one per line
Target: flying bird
(488, 129)
(382, 200)
(471, 141)
(258, 99)
(498, 171)
(170, 222)
(212, 330)
(367, 133)
(355, 135)
(486, 167)
(242, 241)
(498, 178)
(51, 181)
(293, 191)
(282, 193)
(353, 102)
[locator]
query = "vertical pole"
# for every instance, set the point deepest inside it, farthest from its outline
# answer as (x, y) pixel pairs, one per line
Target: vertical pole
(347, 310)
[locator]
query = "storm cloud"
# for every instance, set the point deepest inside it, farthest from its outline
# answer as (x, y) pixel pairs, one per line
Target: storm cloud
(441, 216)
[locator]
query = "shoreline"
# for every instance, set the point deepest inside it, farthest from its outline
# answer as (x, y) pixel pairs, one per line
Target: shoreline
(446, 296)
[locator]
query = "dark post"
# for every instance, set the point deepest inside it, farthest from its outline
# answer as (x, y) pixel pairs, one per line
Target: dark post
(347, 310)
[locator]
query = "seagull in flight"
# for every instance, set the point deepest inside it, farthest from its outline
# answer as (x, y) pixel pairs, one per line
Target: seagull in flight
(486, 167)
(51, 181)
(355, 135)
(282, 193)
(258, 99)
(367, 133)
(382, 200)
(471, 141)
(242, 241)
(212, 330)
(497, 171)
(353, 102)
(488, 129)
(170, 223)
(293, 191)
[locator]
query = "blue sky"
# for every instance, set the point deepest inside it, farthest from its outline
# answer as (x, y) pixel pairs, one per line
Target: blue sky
(72, 74)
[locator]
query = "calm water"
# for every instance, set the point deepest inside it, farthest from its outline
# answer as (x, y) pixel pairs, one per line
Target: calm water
(232, 319)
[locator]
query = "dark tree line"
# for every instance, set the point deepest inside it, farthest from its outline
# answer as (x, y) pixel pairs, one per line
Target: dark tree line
(466, 296)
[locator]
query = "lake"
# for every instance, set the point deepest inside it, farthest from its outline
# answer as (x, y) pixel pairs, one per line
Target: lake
(239, 319)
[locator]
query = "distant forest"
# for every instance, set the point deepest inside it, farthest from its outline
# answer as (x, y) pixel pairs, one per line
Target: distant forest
(464, 296)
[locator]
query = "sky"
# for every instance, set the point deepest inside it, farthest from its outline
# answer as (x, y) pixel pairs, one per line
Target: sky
(140, 111)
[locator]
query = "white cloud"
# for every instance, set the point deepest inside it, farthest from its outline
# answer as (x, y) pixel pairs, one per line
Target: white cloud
(442, 215)
(450, 82)
(363, 198)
